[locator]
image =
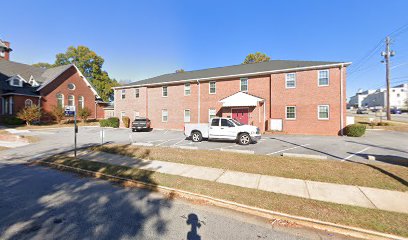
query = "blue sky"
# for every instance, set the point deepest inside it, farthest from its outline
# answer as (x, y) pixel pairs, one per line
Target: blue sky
(140, 39)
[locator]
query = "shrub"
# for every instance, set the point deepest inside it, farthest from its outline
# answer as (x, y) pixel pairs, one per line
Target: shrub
(30, 114)
(110, 122)
(84, 113)
(12, 121)
(383, 124)
(58, 113)
(126, 121)
(355, 130)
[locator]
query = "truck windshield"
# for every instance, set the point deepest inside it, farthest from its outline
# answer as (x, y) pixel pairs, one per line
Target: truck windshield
(236, 122)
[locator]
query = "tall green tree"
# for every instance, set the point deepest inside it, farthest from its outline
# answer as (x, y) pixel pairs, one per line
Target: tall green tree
(90, 64)
(180, 70)
(256, 58)
(43, 65)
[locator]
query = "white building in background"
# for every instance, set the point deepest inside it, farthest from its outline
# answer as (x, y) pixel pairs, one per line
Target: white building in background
(378, 98)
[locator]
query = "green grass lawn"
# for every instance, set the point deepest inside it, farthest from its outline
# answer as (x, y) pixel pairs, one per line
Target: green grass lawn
(378, 220)
(382, 176)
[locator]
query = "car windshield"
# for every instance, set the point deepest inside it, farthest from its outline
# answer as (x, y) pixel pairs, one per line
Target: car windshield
(236, 122)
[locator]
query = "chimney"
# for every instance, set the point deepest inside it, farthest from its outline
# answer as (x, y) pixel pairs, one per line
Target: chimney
(5, 50)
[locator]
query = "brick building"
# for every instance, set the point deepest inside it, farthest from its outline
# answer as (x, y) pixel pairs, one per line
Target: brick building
(294, 97)
(22, 85)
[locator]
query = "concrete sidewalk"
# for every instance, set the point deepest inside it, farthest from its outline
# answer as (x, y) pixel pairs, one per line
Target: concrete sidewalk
(329, 192)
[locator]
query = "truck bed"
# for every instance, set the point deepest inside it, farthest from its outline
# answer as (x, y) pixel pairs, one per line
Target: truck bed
(190, 127)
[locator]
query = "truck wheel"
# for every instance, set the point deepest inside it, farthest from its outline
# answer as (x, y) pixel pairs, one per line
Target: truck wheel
(244, 139)
(196, 137)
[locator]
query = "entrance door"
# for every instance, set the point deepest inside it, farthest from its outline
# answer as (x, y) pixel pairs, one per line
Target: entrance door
(241, 115)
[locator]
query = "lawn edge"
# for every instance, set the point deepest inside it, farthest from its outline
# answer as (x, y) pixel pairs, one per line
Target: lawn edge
(260, 212)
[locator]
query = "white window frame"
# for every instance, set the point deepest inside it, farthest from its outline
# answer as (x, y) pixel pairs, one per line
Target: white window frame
(294, 80)
(187, 87)
(328, 111)
(167, 91)
(215, 87)
(28, 101)
(187, 120)
(328, 78)
(286, 113)
(136, 114)
(240, 84)
(209, 113)
(123, 94)
(81, 102)
(73, 86)
(137, 92)
(73, 100)
(163, 115)
(122, 114)
(62, 100)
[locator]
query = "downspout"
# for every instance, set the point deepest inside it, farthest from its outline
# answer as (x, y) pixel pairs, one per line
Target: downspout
(341, 101)
(264, 121)
(199, 107)
(95, 110)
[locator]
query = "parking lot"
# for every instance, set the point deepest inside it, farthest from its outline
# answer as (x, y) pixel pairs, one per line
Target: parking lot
(385, 146)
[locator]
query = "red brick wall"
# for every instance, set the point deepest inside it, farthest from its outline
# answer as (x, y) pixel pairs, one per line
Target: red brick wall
(306, 97)
(60, 85)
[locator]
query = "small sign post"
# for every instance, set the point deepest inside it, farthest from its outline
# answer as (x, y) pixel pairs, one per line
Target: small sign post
(102, 135)
(69, 112)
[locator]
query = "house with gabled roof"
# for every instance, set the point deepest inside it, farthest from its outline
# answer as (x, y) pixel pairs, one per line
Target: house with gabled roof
(23, 85)
(287, 96)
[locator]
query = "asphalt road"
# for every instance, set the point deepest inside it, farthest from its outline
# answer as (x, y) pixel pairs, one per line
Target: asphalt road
(42, 203)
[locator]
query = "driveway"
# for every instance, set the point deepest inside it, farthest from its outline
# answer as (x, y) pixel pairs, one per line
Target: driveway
(386, 146)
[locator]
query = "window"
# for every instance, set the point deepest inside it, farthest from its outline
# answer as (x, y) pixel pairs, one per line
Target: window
(187, 115)
(28, 103)
(81, 102)
(290, 112)
(2, 53)
(71, 86)
(323, 112)
(60, 100)
(71, 100)
(212, 113)
(215, 122)
(290, 80)
(244, 85)
(135, 115)
(212, 87)
(226, 123)
(187, 89)
(165, 115)
(398, 95)
(164, 91)
(122, 114)
(123, 93)
(324, 78)
(137, 94)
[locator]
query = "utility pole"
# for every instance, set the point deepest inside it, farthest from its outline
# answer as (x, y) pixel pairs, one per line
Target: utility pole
(387, 54)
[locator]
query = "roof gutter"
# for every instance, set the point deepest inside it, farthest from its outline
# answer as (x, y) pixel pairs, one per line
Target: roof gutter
(238, 75)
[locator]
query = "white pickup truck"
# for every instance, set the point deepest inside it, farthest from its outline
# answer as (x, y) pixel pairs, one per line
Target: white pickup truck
(223, 128)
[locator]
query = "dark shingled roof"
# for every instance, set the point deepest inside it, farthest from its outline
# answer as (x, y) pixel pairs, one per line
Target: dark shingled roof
(241, 69)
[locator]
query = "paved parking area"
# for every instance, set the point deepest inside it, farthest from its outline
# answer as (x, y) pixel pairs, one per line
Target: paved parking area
(383, 145)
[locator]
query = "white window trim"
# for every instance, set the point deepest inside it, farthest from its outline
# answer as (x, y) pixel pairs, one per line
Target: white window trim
(189, 89)
(136, 114)
(123, 94)
(71, 85)
(286, 80)
(209, 113)
(63, 102)
(328, 112)
(286, 113)
(240, 85)
(73, 100)
(162, 115)
(189, 117)
(122, 114)
(82, 105)
(209, 87)
(28, 100)
(328, 78)
(167, 91)
(137, 92)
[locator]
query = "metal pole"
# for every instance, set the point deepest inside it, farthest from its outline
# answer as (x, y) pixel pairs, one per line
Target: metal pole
(75, 135)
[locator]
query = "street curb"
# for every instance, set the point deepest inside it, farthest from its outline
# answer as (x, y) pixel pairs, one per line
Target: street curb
(39, 129)
(143, 144)
(237, 151)
(299, 155)
(268, 214)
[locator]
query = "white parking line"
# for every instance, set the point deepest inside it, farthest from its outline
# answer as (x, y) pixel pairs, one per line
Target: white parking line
(167, 141)
(283, 150)
(179, 142)
(352, 155)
